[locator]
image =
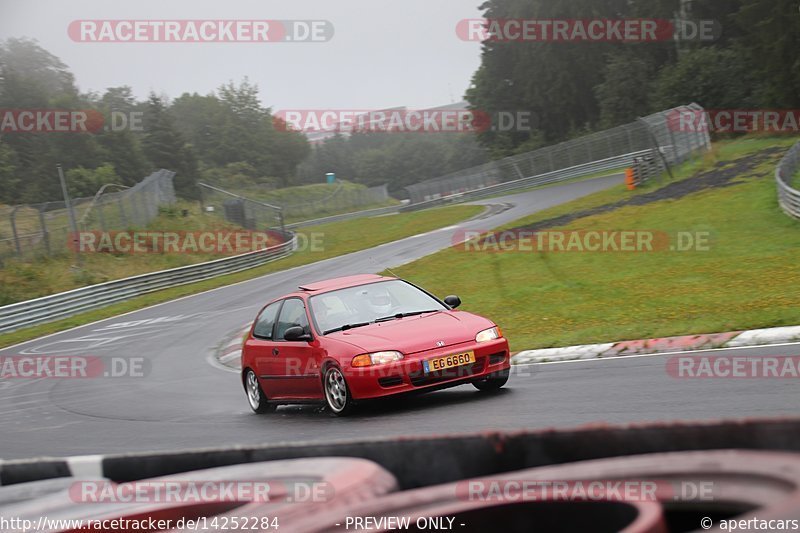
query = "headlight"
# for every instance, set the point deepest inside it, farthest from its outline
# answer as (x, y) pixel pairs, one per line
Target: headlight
(377, 358)
(488, 334)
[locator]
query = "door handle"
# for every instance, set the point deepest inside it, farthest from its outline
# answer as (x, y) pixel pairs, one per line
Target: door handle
(274, 351)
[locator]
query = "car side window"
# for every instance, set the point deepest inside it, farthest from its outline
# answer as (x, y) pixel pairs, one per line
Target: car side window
(266, 321)
(293, 313)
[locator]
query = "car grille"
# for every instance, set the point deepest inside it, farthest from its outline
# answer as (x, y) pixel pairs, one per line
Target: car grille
(421, 379)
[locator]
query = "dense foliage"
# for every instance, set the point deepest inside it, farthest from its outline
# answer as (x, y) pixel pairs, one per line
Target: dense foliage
(398, 159)
(582, 86)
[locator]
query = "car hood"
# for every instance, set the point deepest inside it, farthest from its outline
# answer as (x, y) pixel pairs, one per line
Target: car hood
(416, 333)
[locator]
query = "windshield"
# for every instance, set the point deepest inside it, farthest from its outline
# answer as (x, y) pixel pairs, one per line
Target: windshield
(364, 304)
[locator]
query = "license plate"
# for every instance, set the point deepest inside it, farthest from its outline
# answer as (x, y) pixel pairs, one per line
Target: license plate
(448, 361)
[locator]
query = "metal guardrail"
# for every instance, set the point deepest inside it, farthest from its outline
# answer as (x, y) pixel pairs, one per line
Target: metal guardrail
(347, 216)
(655, 136)
(69, 303)
(613, 163)
(789, 197)
(658, 132)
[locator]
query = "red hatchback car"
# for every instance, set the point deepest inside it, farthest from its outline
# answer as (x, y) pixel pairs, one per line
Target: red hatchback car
(363, 337)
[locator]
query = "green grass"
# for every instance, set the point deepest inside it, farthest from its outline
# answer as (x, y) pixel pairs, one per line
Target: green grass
(720, 152)
(747, 279)
(337, 238)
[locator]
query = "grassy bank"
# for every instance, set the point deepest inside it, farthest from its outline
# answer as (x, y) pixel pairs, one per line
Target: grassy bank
(746, 278)
(35, 277)
(306, 202)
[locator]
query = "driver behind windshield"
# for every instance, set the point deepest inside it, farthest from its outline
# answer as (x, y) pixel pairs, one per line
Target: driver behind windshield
(379, 301)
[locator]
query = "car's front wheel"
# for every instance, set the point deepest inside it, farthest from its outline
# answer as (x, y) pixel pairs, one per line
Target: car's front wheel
(337, 393)
(493, 382)
(255, 396)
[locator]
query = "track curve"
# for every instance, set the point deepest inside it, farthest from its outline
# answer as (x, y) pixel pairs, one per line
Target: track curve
(185, 402)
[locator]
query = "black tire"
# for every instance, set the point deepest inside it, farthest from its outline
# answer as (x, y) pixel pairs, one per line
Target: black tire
(337, 393)
(255, 396)
(493, 382)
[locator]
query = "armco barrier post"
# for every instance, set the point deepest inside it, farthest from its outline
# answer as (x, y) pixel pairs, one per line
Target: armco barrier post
(788, 197)
(12, 218)
(43, 224)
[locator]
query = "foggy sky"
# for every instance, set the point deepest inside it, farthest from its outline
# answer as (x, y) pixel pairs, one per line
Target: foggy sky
(383, 54)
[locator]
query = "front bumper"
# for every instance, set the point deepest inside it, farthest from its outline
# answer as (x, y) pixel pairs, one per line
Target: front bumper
(408, 375)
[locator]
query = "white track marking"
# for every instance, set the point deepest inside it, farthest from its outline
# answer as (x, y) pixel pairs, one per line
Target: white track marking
(213, 361)
(660, 354)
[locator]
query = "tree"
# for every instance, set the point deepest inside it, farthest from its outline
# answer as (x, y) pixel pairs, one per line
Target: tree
(9, 178)
(580, 87)
(199, 119)
(33, 78)
(84, 182)
(618, 103)
(715, 78)
(165, 147)
(232, 127)
(769, 44)
(120, 144)
(287, 149)
(552, 80)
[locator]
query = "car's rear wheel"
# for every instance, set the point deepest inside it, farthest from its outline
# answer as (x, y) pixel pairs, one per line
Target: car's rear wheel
(255, 396)
(493, 382)
(337, 393)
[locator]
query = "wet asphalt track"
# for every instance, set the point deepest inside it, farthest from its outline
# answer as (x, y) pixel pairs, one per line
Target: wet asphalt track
(186, 402)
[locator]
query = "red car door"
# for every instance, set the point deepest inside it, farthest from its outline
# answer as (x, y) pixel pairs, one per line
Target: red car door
(262, 349)
(297, 362)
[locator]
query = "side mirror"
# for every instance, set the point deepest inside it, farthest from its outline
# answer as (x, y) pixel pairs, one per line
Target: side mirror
(453, 301)
(296, 333)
